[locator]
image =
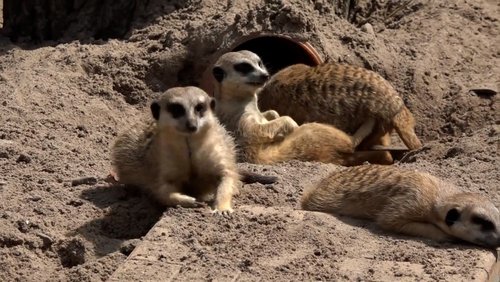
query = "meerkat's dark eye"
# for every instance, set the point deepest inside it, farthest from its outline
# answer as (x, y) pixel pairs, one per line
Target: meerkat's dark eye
(218, 73)
(200, 108)
(452, 216)
(486, 225)
(243, 68)
(261, 65)
(176, 110)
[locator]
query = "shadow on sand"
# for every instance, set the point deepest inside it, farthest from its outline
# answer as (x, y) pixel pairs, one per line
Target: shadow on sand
(127, 215)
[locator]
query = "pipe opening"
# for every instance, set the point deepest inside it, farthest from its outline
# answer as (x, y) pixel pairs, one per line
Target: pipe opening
(278, 52)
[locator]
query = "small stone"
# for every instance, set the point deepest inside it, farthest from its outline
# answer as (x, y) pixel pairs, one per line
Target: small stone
(368, 28)
(23, 225)
(84, 180)
(75, 203)
(23, 159)
(36, 198)
(453, 152)
(129, 246)
(47, 240)
(72, 253)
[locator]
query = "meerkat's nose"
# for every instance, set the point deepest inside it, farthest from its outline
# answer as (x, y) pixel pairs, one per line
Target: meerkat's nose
(264, 76)
(191, 127)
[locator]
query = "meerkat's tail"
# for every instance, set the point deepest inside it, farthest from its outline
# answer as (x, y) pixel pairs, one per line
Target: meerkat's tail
(249, 177)
(404, 123)
(372, 157)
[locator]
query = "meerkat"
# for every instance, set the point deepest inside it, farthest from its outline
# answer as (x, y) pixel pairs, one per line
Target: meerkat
(267, 137)
(344, 96)
(183, 155)
(408, 202)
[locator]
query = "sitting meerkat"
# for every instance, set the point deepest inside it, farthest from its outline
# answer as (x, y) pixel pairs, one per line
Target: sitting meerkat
(344, 96)
(183, 156)
(407, 202)
(267, 137)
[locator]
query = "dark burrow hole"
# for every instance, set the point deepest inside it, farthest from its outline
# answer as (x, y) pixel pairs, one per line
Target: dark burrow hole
(279, 52)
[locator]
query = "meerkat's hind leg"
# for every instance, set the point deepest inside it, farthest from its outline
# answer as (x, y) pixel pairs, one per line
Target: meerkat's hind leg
(363, 131)
(168, 195)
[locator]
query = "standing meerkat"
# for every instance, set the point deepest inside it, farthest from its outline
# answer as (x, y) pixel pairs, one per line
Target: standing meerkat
(183, 156)
(267, 137)
(407, 202)
(342, 95)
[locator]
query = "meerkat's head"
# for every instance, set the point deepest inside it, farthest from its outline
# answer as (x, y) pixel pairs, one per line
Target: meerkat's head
(239, 74)
(473, 218)
(188, 110)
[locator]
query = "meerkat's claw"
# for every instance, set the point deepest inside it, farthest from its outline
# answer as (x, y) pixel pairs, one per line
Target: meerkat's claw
(224, 213)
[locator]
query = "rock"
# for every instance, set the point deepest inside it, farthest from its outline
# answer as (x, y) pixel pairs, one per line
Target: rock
(24, 159)
(72, 253)
(84, 180)
(368, 28)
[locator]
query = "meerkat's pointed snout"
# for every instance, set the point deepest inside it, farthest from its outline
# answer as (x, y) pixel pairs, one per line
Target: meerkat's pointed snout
(191, 126)
(264, 77)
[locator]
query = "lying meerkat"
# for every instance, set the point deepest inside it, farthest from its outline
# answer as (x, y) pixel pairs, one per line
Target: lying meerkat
(408, 202)
(342, 95)
(182, 157)
(267, 137)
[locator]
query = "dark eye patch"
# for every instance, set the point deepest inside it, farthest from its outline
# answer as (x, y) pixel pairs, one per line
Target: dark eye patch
(486, 225)
(452, 216)
(243, 68)
(176, 110)
(200, 108)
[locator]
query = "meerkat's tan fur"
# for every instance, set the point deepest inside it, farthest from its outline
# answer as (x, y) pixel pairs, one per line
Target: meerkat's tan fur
(408, 202)
(342, 95)
(267, 137)
(183, 155)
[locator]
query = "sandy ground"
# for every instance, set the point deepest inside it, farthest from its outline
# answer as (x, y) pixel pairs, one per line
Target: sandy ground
(62, 104)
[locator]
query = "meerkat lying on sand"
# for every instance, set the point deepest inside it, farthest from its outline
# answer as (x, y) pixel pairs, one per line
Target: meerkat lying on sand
(266, 137)
(344, 96)
(182, 157)
(407, 202)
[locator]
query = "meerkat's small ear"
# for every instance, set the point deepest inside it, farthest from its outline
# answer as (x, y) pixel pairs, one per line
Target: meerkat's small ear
(212, 104)
(218, 73)
(155, 110)
(452, 216)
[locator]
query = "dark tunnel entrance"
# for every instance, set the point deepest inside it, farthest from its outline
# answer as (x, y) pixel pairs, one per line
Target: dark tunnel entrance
(278, 52)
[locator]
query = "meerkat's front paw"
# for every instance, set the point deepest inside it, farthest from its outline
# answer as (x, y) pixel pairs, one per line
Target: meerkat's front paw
(224, 212)
(271, 114)
(289, 125)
